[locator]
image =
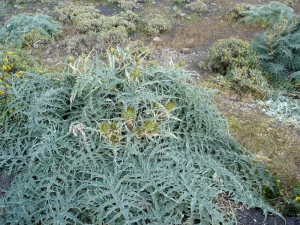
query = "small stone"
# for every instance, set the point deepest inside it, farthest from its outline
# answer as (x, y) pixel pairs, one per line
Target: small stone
(175, 8)
(35, 45)
(157, 39)
(185, 50)
(181, 14)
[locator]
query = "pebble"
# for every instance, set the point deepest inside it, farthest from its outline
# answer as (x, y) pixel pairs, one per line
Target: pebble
(157, 39)
(185, 50)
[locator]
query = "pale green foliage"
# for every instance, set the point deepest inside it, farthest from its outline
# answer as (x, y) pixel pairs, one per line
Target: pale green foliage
(125, 4)
(119, 142)
(248, 81)
(197, 6)
(97, 32)
(282, 108)
(235, 12)
(15, 28)
(267, 15)
(157, 23)
(87, 18)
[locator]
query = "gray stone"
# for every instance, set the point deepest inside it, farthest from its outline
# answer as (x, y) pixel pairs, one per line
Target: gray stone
(157, 39)
(185, 50)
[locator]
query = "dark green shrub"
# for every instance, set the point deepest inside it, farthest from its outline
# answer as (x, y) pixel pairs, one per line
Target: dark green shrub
(16, 30)
(118, 142)
(278, 47)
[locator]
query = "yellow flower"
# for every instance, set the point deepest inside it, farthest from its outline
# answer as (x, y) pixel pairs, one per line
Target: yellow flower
(4, 67)
(41, 71)
(2, 92)
(297, 198)
(8, 53)
(10, 111)
(5, 59)
(6, 85)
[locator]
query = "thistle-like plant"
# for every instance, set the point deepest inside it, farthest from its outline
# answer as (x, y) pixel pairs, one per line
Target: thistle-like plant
(98, 147)
(16, 29)
(278, 47)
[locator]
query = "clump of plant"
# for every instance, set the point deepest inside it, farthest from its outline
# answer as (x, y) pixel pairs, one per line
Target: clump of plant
(117, 142)
(283, 108)
(125, 4)
(18, 30)
(235, 59)
(96, 31)
(157, 23)
(181, 1)
(278, 47)
(197, 6)
(87, 18)
(235, 12)
(13, 66)
(287, 204)
(267, 15)
(25, 1)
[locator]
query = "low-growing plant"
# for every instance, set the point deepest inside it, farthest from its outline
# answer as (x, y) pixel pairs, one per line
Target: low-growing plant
(13, 65)
(157, 23)
(235, 12)
(22, 26)
(197, 6)
(118, 143)
(181, 1)
(226, 54)
(125, 4)
(235, 59)
(283, 108)
(87, 18)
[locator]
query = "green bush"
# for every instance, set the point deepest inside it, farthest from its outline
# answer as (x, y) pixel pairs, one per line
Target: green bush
(197, 6)
(226, 54)
(236, 12)
(235, 59)
(16, 29)
(120, 142)
(157, 23)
